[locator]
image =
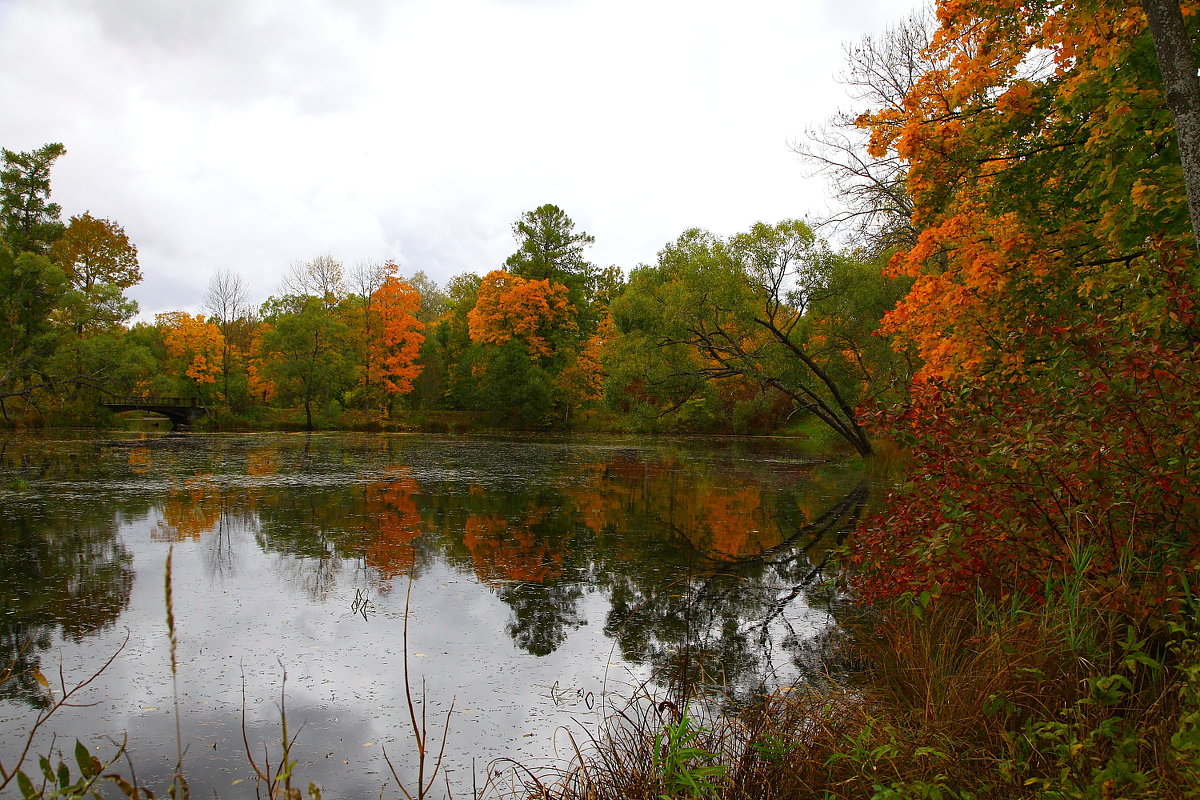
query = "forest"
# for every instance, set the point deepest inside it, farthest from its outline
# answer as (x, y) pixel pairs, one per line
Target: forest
(747, 334)
(1010, 320)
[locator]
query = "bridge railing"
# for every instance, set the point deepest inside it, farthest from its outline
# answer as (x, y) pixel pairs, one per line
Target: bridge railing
(135, 400)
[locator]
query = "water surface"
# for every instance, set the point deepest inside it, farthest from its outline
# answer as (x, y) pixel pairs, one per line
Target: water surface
(550, 577)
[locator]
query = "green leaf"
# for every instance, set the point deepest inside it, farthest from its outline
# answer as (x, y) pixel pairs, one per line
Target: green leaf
(1141, 658)
(89, 765)
(26, 786)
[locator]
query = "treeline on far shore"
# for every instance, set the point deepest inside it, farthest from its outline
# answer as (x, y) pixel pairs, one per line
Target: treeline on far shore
(741, 334)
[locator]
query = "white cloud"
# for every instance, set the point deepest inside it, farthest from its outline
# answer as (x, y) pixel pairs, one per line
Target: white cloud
(251, 133)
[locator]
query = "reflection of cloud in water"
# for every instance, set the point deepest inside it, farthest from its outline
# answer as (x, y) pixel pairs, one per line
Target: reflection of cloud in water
(536, 563)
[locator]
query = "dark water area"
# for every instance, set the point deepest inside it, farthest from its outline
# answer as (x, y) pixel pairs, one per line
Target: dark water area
(551, 577)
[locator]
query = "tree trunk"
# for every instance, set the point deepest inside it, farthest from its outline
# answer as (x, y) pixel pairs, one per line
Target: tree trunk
(1177, 63)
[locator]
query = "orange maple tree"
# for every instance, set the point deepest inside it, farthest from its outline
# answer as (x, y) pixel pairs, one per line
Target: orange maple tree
(507, 307)
(396, 344)
(1033, 152)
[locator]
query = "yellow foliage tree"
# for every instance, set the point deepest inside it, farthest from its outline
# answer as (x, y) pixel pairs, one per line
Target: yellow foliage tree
(261, 387)
(194, 342)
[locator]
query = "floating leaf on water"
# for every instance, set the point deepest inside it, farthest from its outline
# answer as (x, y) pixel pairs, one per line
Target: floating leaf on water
(40, 678)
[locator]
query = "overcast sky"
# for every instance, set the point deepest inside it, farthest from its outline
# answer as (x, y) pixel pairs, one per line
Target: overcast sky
(251, 134)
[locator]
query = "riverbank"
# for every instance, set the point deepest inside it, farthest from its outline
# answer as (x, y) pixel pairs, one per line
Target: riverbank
(957, 699)
(819, 436)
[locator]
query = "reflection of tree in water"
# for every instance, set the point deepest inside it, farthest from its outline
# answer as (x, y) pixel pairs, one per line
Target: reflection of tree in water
(189, 511)
(237, 515)
(748, 534)
(725, 621)
(542, 614)
(391, 508)
(317, 530)
(374, 528)
(65, 570)
(523, 555)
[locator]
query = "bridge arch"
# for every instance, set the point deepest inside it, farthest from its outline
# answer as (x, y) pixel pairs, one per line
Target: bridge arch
(180, 410)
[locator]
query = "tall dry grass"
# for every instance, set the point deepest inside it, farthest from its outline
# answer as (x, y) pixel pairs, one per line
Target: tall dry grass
(956, 698)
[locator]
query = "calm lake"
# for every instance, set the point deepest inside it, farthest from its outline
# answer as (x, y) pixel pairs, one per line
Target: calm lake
(551, 577)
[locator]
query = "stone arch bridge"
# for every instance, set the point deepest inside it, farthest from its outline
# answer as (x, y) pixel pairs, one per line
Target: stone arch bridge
(180, 410)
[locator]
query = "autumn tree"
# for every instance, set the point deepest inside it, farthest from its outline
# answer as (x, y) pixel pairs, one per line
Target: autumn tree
(535, 312)
(1053, 305)
(95, 251)
(30, 221)
(100, 263)
(526, 327)
(194, 347)
(397, 344)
